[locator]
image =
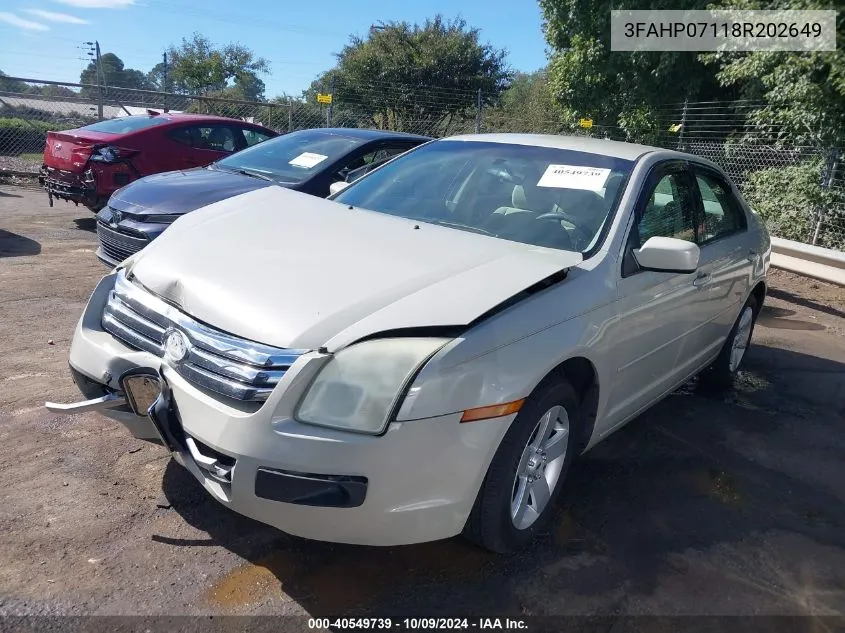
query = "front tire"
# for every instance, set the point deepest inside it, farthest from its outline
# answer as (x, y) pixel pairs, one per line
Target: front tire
(724, 369)
(517, 497)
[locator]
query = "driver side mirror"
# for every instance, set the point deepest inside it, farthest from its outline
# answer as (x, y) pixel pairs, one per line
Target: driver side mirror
(668, 254)
(337, 187)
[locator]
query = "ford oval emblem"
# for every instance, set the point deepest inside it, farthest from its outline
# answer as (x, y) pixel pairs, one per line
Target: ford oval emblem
(176, 346)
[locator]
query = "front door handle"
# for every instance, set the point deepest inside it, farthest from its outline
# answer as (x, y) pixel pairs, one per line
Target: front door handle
(702, 280)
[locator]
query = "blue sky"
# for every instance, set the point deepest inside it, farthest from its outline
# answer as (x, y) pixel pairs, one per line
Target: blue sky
(43, 38)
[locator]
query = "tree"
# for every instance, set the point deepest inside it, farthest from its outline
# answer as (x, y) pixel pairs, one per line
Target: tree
(617, 88)
(12, 85)
(526, 106)
(197, 66)
(417, 78)
(803, 93)
(114, 75)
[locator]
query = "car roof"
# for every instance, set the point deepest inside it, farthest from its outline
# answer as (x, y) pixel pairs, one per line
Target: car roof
(606, 147)
(368, 134)
(180, 117)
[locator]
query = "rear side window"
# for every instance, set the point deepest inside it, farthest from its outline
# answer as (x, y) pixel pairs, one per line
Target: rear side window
(125, 125)
(253, 137)
(722, 212)
(218, 138)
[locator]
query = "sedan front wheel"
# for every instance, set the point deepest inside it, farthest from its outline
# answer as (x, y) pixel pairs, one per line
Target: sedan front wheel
(527, 472)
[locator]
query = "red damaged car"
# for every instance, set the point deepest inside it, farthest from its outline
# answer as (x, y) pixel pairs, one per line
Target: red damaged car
(86, 165)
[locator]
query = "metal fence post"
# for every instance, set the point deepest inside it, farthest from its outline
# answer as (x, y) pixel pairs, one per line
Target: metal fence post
(478, 113)
(826, 183)
(330, 111)
(290, 114)
(683, 126)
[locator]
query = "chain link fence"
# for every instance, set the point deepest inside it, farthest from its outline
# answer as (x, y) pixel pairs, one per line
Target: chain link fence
(800, 190)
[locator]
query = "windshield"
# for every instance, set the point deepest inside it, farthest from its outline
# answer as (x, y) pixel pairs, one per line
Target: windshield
(126, 124)
(293, 157)
(536, 195)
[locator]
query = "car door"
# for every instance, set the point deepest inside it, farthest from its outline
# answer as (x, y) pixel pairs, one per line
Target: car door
(727, 256)
(657, 312)
(202, 144)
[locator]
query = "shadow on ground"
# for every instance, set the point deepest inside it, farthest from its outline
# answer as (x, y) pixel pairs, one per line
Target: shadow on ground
(14, 245)
(674, 486)
(777, 293)
(6, 194)
(86, 224)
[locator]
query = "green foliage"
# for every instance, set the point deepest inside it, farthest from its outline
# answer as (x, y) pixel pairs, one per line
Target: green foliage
(419, 78)
(197, 66)
(114, 75)
(526, 106)
(617, 88)
(22, 135)
(789, 199)
(804, 93)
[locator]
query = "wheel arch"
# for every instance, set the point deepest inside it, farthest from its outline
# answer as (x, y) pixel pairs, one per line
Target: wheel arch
(759, 293)
(582, 374)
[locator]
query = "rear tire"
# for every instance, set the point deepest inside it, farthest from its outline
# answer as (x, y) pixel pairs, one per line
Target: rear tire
(517, 497)
(724, 369)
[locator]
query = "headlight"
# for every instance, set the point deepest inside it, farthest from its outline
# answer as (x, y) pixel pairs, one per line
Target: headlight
(359, 387)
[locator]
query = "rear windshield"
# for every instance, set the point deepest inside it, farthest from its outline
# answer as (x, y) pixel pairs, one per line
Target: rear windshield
(126, 124)
(293, 157)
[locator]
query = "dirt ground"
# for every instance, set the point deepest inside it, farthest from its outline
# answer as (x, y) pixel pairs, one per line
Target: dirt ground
(711, 503)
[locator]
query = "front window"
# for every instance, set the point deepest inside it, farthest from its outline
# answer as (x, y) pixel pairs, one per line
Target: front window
(125, 124)
(293, 157)
(535, 195)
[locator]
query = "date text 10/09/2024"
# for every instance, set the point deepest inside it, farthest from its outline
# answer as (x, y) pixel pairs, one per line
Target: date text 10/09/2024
(417, 624)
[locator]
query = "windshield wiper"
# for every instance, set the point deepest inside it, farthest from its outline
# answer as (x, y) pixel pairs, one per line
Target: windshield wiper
(458, 225)
(246, 172)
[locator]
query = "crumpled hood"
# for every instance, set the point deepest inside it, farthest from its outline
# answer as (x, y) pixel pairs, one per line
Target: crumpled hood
(291, 270)
(175, 192)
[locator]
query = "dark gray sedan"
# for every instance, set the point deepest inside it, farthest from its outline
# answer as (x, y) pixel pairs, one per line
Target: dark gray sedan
(308, 160)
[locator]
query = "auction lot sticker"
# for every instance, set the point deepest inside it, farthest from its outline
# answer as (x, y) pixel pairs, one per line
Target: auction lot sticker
(574, 177)
(307, 160)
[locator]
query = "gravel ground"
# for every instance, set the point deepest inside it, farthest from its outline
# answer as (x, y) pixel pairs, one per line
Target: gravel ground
(711, 503)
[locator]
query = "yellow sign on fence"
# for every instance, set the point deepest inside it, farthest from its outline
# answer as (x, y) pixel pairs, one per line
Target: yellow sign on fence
(588, 123)
(675, 127)
(321, 98)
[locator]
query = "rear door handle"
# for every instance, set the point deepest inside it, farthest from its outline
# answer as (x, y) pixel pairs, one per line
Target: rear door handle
(702, 280)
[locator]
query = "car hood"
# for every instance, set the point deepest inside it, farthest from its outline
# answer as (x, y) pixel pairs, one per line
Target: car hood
(176, 192)
(291, 270)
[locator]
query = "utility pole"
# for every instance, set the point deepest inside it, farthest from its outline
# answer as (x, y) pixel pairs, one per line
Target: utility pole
(100, 82)
(164, 80)
(93, 51)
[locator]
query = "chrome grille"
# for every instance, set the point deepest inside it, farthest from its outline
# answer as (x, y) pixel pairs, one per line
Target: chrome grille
(216, 361)
(118, 245)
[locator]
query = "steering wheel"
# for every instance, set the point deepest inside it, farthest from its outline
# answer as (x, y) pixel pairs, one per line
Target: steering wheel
(557, 217)
(583, 237)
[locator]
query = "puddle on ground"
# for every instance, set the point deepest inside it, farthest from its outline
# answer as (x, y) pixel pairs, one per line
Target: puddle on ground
(339, 579)
(717, 484)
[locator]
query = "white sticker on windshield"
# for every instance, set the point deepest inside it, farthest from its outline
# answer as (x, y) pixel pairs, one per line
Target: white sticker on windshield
(307, 160)
(574, 177)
